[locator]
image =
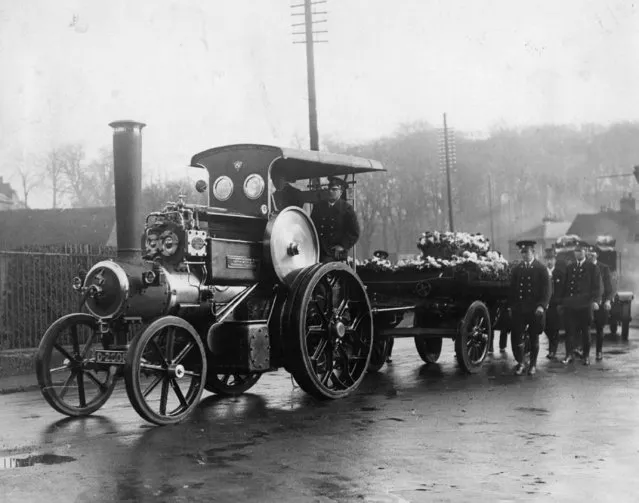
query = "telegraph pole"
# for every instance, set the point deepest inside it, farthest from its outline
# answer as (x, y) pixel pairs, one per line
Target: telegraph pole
(490, 205)
(310, 40)
(447, 144)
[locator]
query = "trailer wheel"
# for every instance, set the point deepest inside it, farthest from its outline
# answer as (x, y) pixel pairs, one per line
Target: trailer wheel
(429, 348)
(230, 384)
(382, 349)
(473, 337)
(330, 334)
(165, 371)
(70, 380)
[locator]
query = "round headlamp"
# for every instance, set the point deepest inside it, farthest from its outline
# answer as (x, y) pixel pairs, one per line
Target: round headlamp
(253, 186)
(223, 188)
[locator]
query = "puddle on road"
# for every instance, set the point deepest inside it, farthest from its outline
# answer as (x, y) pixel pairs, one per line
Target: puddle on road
(38, 459)
(534, 410)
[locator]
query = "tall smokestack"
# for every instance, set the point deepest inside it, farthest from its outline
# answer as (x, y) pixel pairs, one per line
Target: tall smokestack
(127, 170)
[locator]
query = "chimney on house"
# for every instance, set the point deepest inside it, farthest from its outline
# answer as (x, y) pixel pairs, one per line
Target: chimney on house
(628, 204)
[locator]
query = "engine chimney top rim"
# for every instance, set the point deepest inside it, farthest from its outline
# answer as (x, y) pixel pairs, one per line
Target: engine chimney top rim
(127, 124)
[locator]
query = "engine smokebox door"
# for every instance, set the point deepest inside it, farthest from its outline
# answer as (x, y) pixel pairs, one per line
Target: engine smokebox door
(239, 346)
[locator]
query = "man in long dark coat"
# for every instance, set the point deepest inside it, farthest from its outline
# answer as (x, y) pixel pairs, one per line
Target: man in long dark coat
(336, 223)
(605, 303)
(529, 297)
(581, 298)
(553, 317)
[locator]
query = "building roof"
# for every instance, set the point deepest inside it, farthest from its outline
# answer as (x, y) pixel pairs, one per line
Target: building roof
(91, 226)
(6, 189)
(620, 225)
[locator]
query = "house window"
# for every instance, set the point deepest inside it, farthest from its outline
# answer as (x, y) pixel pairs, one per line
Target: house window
(636, 238)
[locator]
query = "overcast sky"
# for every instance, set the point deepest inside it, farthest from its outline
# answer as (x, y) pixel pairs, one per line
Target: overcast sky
(203, 73)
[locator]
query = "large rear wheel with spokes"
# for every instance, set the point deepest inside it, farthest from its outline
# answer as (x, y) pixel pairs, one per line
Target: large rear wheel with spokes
(70, 380)
(165, 371)
(330, 332)
(471, 343)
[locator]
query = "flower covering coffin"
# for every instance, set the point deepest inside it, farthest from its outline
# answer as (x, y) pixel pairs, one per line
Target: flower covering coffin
(448, 253)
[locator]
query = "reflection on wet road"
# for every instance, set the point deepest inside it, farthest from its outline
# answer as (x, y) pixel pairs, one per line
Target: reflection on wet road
(413, 432)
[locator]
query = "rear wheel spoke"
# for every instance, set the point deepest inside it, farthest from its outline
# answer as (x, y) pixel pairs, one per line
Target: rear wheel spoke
(319, 350)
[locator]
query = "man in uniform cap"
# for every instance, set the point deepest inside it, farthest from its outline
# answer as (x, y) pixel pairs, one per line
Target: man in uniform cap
(336, 223)
(286, 195)
(529, 297)
(553, 317)
(601, 314)
(582, 295)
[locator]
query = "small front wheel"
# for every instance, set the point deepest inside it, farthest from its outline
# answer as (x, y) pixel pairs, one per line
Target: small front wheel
(70, 380)
(165, 371)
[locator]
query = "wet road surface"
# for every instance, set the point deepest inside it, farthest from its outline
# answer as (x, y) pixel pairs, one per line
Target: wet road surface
(412, 433)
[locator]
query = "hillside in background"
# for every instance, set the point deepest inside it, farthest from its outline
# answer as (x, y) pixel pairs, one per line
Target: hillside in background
(533, 173)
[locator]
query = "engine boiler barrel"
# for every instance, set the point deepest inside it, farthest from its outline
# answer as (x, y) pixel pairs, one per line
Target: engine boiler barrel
(119, 290)
(127, 171)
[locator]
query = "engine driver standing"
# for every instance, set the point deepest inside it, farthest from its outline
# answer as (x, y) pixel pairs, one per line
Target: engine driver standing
(530, 291)
(336, 223)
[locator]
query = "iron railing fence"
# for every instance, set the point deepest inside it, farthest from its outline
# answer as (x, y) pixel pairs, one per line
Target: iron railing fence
(35, 289)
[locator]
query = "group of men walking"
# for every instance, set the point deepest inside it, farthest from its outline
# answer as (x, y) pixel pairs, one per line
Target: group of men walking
(542, 295)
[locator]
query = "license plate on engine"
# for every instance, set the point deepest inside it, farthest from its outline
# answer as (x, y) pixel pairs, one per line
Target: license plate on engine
(110, 357)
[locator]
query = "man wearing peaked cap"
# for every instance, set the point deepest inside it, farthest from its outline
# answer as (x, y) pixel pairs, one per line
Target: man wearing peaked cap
(553, 316)
(582, 295)
(336, 223)
(529, 298)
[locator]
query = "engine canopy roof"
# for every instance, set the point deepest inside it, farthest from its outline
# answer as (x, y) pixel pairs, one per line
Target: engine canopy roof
(294, 164)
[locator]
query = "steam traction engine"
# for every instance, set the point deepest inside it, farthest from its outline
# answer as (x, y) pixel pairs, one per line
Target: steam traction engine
(215, 296)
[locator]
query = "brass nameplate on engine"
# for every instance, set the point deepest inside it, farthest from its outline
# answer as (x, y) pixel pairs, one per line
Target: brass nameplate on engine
(240, 262)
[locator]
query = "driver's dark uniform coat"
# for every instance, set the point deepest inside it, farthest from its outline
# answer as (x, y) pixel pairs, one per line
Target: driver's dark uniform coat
(336, 225)
(530, 287)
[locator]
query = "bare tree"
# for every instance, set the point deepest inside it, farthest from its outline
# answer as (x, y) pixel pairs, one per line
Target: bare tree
(29, 175)
(156, 194)
(100, 172)
(54, 171)
(78, 183)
